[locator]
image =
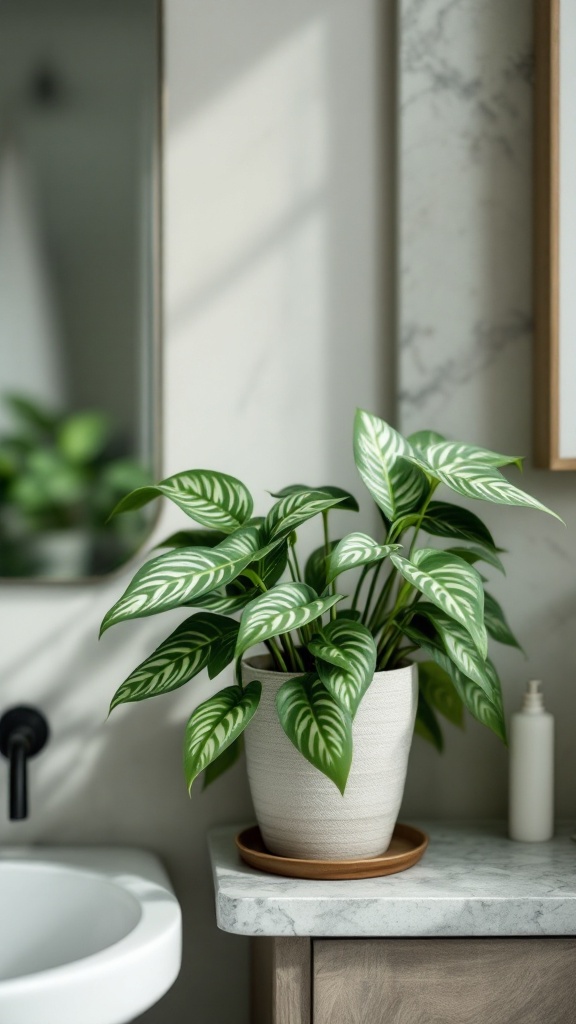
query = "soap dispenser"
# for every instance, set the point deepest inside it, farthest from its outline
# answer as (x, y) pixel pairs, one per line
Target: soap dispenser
(531, 795)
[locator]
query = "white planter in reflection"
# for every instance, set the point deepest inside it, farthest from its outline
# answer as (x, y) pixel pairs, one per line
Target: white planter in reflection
(300, 812)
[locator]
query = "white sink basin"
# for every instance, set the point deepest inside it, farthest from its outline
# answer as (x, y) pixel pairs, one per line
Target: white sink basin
(87, 936)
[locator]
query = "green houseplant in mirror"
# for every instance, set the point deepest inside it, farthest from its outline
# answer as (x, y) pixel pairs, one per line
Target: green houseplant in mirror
(59, 479)
(328, 711)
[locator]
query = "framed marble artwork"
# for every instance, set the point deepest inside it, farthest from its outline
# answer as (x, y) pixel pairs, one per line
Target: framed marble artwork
(555, 235)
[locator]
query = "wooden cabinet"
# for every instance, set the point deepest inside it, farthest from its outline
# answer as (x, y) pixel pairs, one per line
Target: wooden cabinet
(414, 981)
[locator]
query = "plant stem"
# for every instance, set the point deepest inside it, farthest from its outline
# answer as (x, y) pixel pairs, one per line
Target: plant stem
(363, 574)
(375, 574)
(375, 620)
(433, 487)
(293, 655)
(277, 654)
(299, 578)
(331, 588)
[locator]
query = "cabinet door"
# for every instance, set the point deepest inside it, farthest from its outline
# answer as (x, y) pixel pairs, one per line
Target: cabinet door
(444, 981)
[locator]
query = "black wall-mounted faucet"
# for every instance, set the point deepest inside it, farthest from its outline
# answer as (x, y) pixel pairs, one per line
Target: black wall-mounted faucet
(23, 733)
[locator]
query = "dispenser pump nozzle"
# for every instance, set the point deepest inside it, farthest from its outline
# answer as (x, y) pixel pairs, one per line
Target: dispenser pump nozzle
(533, 699)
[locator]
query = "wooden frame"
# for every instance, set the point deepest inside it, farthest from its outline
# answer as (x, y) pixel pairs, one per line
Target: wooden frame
(550, 450)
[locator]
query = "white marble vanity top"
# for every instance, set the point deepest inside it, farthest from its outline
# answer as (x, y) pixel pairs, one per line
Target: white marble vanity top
(472, 881)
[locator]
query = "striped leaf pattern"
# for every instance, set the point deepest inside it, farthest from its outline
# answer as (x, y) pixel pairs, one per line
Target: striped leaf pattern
(291, 511)
(485, 483)
(220, 601)
(356, 549)
(397, 486)
(315, 568)
(457, 643)
(496, 623)
(443, 519)
(179, 576)
(193, 538)
(289, 606)
(451, 584)
(345, 654)
(483, 702)
(436, 685)
(222, 649)
(177, 660)
(223, 762)
(215, 724)
(215, 500)
(347, 501)
(317, 726)
(423, 439)
(448, 456)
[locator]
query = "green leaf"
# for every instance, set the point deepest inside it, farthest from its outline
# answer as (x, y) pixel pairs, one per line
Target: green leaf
(475, 479)
(177, 660)
(356, 549)
(291, 511)
(438, 689)
(346, 501)
(451, 584)
(448, 456)
(443, 519)
(457, 643)
(483, 701)
(397, 486)
(317, 726)
(345, 654)
(180, 576)
(423, 439)
(223, 762)
(496, 623)
(225, 604)
(215, 500)
(427, 725)
(289, 606)
(477, 554)
(222, 650)
(193, 538)
(315, 568)
(215, 724)
(83, 436)
(269, 570)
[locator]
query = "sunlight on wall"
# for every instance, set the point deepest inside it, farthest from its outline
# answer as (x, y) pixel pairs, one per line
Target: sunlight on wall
(246, 302)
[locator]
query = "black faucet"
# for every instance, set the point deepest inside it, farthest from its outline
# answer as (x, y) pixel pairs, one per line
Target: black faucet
(23, 733)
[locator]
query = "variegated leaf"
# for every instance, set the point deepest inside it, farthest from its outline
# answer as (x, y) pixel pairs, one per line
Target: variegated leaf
(483, 702)
(356, 549)
(215, 500)
(222, 650)
(456, 641)
(223, 762)
(451, 584)
(193, 538)
(173, 579)
(496, 623)
(317, 726)
(225, 604)
(443, 519)
(436, 685)
(315, 568)
(423, 439)
(268, 569)
(475, 554)
(397, 486)
(345, 654)
(177, 660)
(448, 456)
(215, 724)
(347, 501)
(289, 606)
(485, 483)
(291, 511)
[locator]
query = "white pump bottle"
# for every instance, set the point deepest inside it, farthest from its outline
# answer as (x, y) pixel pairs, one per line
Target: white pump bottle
(531, 807)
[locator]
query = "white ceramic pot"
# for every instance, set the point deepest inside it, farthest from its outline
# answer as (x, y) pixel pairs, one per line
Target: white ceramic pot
(300, 812)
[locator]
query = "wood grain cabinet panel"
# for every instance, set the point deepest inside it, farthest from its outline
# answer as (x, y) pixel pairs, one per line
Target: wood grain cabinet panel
(444, 981)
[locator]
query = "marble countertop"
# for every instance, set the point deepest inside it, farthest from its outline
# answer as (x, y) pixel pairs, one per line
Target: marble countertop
(472, 881)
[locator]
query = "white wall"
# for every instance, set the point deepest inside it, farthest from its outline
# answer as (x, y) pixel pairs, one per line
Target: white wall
(278, 197)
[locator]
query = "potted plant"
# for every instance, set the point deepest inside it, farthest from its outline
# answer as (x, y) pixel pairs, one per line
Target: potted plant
(329, 710)
(59, 478)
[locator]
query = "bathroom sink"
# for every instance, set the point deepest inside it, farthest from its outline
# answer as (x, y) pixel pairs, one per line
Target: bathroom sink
(87, 935)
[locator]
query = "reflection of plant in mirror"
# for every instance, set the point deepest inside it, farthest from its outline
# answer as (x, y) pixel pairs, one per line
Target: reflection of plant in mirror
(430, 600)
(57, 472)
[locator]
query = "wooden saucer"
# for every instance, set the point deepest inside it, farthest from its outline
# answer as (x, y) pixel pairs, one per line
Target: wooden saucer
(407, 847)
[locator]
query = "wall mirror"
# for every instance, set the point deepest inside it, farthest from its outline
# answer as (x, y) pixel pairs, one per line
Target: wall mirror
(555, 234)
(80, 87)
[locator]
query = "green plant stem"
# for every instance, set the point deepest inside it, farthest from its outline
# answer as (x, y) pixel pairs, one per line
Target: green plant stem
(277, 655)
(376, 569)
(293, 569)
(294, 657)
(331, 588)
(433, 487)
(363, 574)
(299, 576)
(375, 620)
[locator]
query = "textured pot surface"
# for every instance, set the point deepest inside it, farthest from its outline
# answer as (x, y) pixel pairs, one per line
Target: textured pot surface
(300, 812)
